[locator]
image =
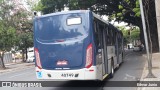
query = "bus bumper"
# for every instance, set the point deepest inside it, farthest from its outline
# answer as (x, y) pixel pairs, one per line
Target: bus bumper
(80, 74)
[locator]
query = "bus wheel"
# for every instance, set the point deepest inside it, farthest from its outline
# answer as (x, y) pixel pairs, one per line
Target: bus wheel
(112, 70)
(122, 57)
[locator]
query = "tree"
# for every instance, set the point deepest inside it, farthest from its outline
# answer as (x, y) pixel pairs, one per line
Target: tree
(24, 33)
(121, 10)
(135, 34)
(129, 11)
(7, 33)
(50, 6)
(22, 21)
(25, 41)
(130, 35)
(15, 28)
(7, 41)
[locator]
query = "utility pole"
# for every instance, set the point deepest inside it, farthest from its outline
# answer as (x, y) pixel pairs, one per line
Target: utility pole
(150, 74)
(157, 2)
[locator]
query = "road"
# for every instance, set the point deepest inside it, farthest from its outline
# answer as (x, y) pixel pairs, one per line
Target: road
(130, 70)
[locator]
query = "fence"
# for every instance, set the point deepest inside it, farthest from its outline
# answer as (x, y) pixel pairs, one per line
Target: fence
(7, 58)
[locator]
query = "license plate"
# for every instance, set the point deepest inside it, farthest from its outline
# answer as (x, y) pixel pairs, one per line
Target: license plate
(67, 75)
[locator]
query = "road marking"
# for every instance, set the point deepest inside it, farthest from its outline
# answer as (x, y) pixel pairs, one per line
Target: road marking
(26, 73)
(129, 77)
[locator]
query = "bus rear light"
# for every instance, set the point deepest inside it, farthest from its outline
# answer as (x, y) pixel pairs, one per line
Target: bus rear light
(89, 56)
(38, 61)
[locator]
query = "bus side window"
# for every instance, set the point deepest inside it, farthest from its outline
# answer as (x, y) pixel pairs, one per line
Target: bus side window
(96, 35)
(114, 39)
(98, 27)
(100, 34)
(109, 37)
(120, 42)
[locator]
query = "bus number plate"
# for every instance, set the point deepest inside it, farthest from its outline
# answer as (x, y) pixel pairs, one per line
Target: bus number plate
(67, 75)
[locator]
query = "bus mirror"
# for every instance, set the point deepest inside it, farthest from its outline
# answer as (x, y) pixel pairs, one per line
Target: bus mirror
(35, 13)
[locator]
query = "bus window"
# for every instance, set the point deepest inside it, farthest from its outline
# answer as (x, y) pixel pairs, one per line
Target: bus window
(109, 36)
(120, 43)
(100, 34)
(61, 27)
(113, 37)
(96, 35)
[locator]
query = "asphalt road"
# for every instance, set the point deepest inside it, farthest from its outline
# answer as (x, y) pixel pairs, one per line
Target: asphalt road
(130, 70)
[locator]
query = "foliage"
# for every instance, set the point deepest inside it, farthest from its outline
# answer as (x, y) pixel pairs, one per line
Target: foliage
(50, 6)
(7, 32)
(135, 34)
(7, 37)
(24, 31)
(121, 10)
(129, 11)
(15, 28)
(130, 34)
(25, 40)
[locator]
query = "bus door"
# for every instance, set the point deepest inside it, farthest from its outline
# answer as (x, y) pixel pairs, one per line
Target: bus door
(103, 48)
(98, 33)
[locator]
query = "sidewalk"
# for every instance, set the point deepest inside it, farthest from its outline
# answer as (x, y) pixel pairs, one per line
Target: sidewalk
(155, 71)
(18, 65)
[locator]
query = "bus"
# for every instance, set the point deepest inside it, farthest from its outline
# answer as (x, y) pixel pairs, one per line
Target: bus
(76, 45)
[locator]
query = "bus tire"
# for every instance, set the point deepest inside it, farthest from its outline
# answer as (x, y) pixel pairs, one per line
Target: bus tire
(112, 70)
(123, 57)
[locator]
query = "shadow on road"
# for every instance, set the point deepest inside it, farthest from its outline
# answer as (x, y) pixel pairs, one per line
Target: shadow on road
(82, 85)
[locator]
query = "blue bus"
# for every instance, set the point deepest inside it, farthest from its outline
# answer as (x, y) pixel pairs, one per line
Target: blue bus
(76, 45)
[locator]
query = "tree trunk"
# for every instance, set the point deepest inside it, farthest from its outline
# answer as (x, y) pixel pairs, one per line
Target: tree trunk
(142, 35)
(152, 25)
(25, 49)
(2, 65)
(26, 53)
(154, 38)
(23, 58)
